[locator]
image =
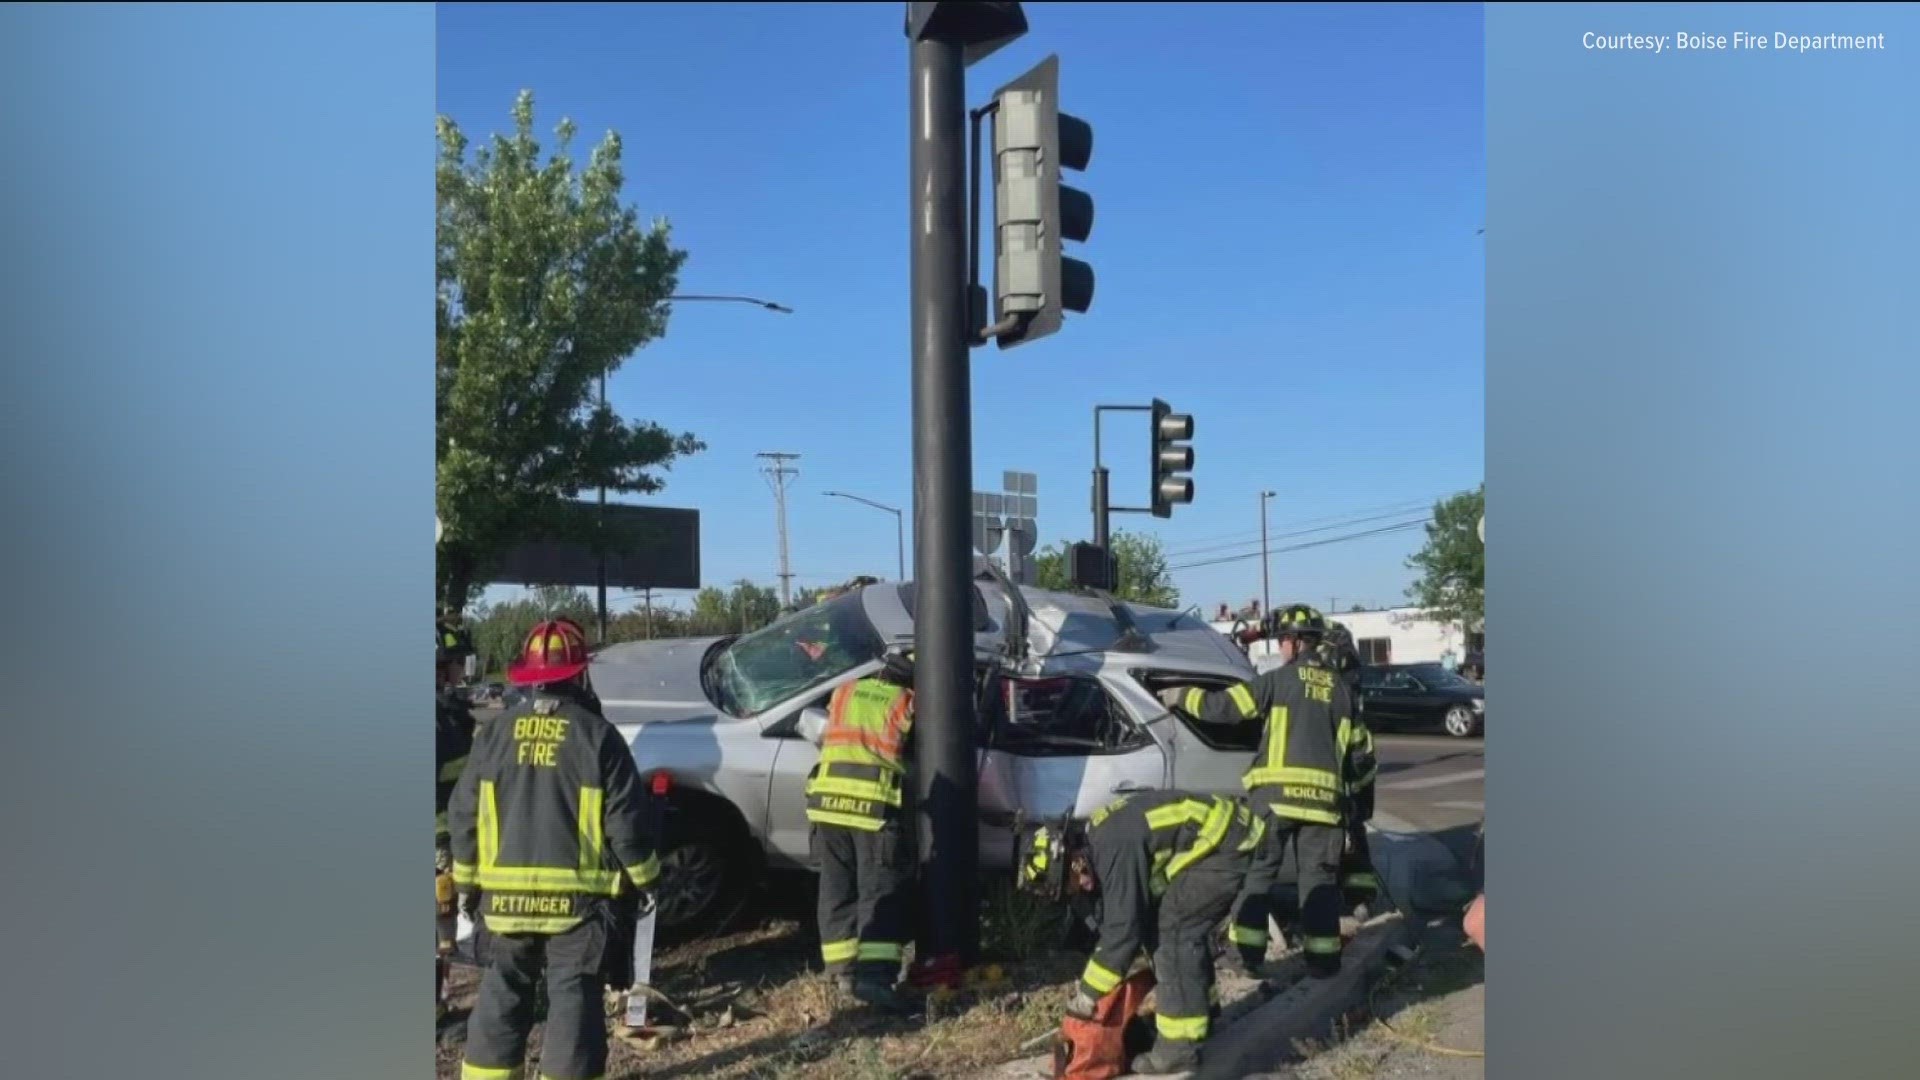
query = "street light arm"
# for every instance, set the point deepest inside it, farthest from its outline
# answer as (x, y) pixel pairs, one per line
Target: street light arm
(869, 502)
(754, 300)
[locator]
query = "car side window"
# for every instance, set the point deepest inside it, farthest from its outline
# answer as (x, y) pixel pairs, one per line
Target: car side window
(1062, 717)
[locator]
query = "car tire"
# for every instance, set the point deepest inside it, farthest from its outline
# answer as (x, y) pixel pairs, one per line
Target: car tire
(705, 875)
(1461, 722)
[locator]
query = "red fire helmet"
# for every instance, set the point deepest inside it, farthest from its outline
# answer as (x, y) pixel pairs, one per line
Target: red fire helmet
(555, 651)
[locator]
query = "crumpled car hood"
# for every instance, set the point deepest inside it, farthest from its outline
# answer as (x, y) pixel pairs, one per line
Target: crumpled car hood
(650, 682)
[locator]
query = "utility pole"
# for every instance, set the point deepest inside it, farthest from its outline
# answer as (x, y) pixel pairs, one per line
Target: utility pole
(1266, 596)
(777, 474)
(943, 38)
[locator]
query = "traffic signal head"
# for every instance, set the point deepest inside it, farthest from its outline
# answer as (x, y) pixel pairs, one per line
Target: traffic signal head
(1033, 212)
(1171, 458)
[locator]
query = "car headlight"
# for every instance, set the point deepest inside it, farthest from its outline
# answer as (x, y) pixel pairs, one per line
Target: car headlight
(1479, 705)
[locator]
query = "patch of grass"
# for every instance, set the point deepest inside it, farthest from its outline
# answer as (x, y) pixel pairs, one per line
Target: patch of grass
(1015, 925)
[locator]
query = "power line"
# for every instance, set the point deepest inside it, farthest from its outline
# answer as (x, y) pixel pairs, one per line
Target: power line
(1404, 526)
(1252, 535)
(1343, 524)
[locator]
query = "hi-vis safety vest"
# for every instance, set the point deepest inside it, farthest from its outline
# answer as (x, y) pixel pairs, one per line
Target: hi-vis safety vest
(862, 756)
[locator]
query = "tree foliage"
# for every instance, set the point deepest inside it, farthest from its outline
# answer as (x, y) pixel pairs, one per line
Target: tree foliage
(1453, 564)
(744, 608)
(546, 282)
(1144, 577)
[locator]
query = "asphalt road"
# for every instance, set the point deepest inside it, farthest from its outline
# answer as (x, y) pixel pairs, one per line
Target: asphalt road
(1429, 783)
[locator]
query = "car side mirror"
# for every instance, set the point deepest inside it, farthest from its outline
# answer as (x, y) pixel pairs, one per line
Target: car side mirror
(813, 725)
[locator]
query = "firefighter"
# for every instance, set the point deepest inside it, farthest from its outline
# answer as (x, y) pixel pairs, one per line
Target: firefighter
(1359, 884)
(1163, 869)
(856, 810)
(1312, 748)
(549, 828)
(452, 740)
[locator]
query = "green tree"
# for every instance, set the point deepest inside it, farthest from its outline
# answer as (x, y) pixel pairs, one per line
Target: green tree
(1144, 578)
(546, 282)
(1453, 564)
(744, 608)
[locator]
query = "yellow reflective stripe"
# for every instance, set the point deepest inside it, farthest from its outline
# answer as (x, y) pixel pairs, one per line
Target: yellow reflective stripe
(1293, 774)
(489, 826)
(1102, 980)
(856, 789)
(1300, 813)
(839, 952)
(532, 924)
(592, 811)
(1362, 881)
(464, 873)
(879, 950)
(1243, 698)
(548, 879)
(1183, 1028)
(1174, 814)
(1194, 701)
(850, 821)
(1321, 946)
(1255, 834)
(1211, 833)
(646, 873)
(1243, 935)
(1343, 737)
(482, 1072)
(1277, 722)
(1365, 778)
(451, 770)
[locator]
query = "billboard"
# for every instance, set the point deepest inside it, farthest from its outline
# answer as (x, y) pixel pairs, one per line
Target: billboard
(647, 547)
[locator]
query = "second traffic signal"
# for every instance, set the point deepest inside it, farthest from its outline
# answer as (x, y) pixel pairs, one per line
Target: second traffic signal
(1172, 458)
(1033, 212)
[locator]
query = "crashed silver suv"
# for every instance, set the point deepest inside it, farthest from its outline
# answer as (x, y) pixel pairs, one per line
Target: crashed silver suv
(1068, 721)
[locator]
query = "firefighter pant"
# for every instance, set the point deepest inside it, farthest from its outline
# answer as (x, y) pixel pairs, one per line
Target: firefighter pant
(1316, 851)
(1359, 883)
(866, 883)
(1190, 913)
(574, 1046)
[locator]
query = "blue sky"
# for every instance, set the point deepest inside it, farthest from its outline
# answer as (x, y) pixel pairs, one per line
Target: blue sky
(1287, 201)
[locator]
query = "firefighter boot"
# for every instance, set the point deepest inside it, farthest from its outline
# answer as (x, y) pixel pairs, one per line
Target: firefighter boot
(1167, 1057)
(879, 995)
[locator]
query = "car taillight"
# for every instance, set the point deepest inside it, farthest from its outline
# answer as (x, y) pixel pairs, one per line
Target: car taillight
(662, 783)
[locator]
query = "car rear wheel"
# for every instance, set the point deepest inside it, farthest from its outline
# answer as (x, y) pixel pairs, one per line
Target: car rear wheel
(1462, 722)
(703, 877)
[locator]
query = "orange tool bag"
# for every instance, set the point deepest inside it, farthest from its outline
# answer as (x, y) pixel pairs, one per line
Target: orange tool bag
(1097, 1049)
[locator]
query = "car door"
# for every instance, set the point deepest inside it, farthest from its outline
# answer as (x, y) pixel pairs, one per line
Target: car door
(1056, 746)
(1395, 697)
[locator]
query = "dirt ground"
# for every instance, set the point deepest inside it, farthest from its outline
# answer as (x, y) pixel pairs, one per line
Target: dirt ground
(760, 1008)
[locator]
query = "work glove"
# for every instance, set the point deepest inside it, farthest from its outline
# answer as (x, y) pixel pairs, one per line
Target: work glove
(644, 905)
(1172, 697)
(1082, 1004)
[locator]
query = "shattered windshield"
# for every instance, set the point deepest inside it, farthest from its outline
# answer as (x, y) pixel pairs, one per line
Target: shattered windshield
(806, 649)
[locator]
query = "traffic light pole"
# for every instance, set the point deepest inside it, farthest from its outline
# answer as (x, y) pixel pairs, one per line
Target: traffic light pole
(1101, 510)
(944, 773)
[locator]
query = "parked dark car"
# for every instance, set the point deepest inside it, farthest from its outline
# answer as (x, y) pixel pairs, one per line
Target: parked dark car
(1422, 696)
